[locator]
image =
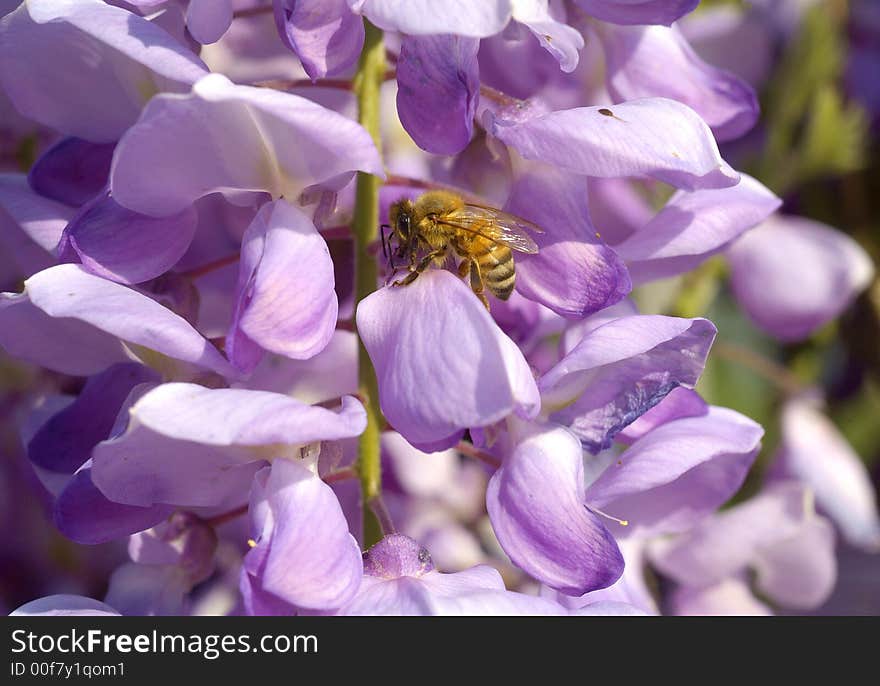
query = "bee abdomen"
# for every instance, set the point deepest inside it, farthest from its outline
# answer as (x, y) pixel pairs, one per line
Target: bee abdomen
(497, 269)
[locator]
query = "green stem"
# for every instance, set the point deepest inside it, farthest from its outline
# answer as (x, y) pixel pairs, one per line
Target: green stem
(366, 85)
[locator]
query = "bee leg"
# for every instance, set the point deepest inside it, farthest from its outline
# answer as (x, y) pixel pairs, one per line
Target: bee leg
(391, 275)
(463, 268)
(477, 283)
(420, 267)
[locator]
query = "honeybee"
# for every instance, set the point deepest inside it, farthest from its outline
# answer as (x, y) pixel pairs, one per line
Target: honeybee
(440, 224)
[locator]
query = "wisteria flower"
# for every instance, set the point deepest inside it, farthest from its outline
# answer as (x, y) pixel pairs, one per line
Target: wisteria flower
(811, 272)
(301, 542)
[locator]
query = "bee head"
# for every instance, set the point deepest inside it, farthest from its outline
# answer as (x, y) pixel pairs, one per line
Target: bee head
(400, 215)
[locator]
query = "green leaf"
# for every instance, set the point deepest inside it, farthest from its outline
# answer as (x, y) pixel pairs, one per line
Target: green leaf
(835, 138)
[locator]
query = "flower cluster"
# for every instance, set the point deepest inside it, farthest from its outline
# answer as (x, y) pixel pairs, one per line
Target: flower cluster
(219, 372)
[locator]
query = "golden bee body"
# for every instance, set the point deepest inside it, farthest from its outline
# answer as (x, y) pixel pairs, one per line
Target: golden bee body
(442, 223)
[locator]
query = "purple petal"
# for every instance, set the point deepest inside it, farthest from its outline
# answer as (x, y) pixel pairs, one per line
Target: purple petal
(208, 20)
(438, 88)
(730, 597)
(330, 374)
(741, 42)
(487, 603)
(729, 542)
(348, 493)
(66, 440)
(188, 138)
(725, 102)
(814, 452)
(559, 39)
(679, 473)
(792, 275)
(573, 274)
(183, 540)
(430, 17)
(680, 403)
(68, 291)
(170, 15)
(260, 603)
(72, 171)
(117, 244)
(454, 546)
(193, 446)
(326, 36)
(39, 414)
(618, 209)
(611, 608)
(478, 591)
(312, 560)
(693, 226)
(63, 345)
(64, 605)
(148, 590)
(621, 370)
(794, 559)
(638, 11)
(419, 474)
(653, 137)
(146, 6)
(289, 311)
(85, 515)
(800, 572)
(536, 504)
(30, 225)
(442, 363)
(390, 597)
(575, 331)
(87, 68)
(630, 591)
(41, 219)
(499, 52)
(524, 320)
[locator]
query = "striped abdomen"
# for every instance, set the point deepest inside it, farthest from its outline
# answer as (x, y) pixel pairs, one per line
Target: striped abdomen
(496, 268)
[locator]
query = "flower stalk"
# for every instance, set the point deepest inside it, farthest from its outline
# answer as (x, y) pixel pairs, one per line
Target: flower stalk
(367, 83)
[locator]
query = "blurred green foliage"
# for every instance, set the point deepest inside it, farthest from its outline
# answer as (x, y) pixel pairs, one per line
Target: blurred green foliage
(812, 131)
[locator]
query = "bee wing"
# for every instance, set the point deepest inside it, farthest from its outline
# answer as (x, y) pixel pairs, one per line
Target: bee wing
(495, 225)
